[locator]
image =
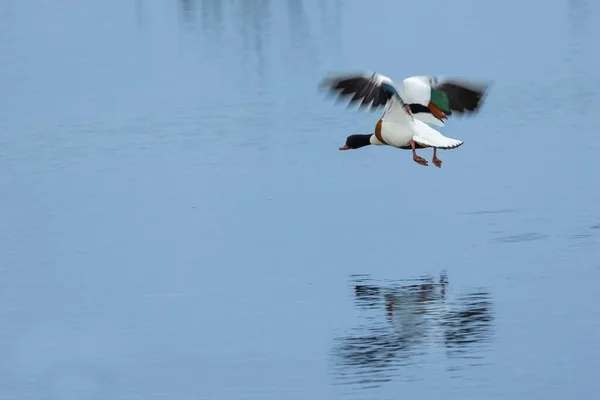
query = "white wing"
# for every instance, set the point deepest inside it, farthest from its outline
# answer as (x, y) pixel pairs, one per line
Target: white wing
(416, 90)
(426, 135)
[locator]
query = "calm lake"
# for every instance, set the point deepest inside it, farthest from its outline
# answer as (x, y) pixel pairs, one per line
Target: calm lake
(176, 221)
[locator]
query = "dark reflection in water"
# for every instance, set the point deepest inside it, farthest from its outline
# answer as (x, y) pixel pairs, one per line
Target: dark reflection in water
(250, 19)
(579, 15)
(251, 29)
(577, 51)
(300, 34)
(211, 13)
(403, 321)
(297, 17)
(255, 19)
(188, 10)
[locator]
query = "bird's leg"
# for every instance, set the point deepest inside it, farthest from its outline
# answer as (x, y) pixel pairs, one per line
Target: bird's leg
(416, 158)
(436, 161)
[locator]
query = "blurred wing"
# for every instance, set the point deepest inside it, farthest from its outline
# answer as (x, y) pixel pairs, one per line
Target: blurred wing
(464, 97)
(376, 89)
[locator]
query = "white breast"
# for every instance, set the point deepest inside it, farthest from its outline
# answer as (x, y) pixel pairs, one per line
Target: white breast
(396, 134)
(397, 127)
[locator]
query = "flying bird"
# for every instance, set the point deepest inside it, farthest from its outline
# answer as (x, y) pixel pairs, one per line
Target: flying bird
(408, 109)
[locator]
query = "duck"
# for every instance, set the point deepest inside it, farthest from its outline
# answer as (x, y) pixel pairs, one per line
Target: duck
(410, 107)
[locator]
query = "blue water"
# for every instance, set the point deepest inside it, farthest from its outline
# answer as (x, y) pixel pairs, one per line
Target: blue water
(176, 221)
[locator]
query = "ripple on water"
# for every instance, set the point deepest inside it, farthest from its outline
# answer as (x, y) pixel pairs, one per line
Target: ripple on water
(522, 237)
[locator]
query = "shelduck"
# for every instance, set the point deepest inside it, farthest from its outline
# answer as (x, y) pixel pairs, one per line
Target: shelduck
(408, 109)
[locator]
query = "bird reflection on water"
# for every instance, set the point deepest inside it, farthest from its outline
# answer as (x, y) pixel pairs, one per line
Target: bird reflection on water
(404, 320)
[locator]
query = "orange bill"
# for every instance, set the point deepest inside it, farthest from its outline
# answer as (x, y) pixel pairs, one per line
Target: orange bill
(439, 114)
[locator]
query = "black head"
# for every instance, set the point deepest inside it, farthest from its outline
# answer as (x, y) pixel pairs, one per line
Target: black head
(356, 141)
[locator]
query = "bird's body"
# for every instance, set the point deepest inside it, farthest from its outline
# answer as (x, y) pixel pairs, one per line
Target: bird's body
(395, 128)
(409, 108)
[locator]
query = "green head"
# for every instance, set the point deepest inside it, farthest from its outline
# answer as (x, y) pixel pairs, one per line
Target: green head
(440, 100)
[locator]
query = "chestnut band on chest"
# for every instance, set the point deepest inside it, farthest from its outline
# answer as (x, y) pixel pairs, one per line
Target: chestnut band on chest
(378, 134)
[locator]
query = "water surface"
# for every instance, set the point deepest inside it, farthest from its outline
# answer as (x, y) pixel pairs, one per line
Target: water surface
(177, 223)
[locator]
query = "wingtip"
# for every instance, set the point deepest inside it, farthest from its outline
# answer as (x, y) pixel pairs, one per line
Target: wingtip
(331, 77)
(481, 85)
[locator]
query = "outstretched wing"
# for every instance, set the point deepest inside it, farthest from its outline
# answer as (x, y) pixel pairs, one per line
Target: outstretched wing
(427, 136)
(375, 89)
(463, 96)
